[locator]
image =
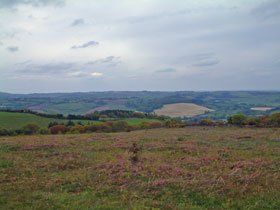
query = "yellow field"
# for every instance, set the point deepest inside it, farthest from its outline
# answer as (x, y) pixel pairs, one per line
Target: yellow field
(182, 110)
(261, 108)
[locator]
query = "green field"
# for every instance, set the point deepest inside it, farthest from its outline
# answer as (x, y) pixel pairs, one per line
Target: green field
(17, 120)
(225, 103)
(194, 168)
(135, 121)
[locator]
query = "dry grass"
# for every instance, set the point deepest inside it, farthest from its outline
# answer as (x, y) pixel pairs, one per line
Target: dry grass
(182, 110)
(261, 108)
(187, 168)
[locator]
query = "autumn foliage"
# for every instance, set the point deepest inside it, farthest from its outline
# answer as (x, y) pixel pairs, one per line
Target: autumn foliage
(58, 129)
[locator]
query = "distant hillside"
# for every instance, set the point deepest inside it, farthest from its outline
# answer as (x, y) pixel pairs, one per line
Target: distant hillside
(17, 120)
(225, 103)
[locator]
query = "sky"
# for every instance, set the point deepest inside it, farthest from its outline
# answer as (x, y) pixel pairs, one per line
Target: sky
(160, 45)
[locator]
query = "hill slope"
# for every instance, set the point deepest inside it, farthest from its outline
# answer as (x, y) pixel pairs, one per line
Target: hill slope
(190, 168)
(17, 120)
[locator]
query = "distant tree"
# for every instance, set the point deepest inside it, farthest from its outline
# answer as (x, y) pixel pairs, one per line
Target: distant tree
(238, 119)
(30, 128)
(103, 117)
(139, 115)
(143, 125)
(206, 122)
(58, 129)
(275, 119)
(120, 125)
(77, 129)
(51, 124)
(70, 123)
(44, 131)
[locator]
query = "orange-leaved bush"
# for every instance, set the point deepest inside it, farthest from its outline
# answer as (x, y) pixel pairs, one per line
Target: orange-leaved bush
(58, 129)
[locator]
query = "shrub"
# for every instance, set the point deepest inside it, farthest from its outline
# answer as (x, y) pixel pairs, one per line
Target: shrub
(155, 125)
(275, 119)
(98, 127)
(143, 125)
(104, 128)
(44, 131)
(92, 127)
(238, 119)
(120, 125)
(253, 121)
(58, 129)
(206, 122)
(30, 128)
(70, 123)
(3, 132)
(51, 124)
(77, 129)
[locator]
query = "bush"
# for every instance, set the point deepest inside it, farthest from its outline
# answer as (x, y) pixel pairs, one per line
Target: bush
(238, 119)
(255, 121)
(155, 125)
(120, 125)
(206, 122)
(92, 128)
(275, 119)
(77, 129)
(143, 125)
(44, 131)
(30, 128)
(98, 127)
(58, 129)
(3, 132)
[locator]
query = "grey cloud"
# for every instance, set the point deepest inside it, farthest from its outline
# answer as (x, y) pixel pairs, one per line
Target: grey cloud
(12, 48)
(110, 60)
(35, 3)
(268, 9)
(78, 22)
(46, 68)
(85, 45)
(167, 70)
(208, 62)
(205, 59)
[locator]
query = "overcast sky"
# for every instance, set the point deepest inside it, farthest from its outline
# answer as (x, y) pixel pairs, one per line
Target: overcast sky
(93, 45)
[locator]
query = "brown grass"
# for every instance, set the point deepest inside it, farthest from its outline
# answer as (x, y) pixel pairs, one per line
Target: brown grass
(182, 109)
(181, 168)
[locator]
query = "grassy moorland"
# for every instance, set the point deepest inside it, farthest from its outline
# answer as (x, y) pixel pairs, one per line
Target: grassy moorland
(187, 168)
(17, 120)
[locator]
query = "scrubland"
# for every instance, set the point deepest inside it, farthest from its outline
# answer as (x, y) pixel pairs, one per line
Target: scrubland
(178, 168)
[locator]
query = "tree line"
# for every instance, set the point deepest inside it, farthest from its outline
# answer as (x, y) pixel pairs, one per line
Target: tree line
(122, 126)
(96, 115)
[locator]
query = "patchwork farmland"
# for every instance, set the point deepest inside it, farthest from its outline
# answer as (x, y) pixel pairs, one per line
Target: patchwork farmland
(182, 110)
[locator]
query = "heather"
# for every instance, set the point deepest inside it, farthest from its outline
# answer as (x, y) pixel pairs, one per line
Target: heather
(163, 168)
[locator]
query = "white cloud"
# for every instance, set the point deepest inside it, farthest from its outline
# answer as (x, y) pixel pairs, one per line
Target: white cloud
(96, 74)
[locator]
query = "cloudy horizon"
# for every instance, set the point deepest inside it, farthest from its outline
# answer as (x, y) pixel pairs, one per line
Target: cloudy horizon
(80, 46)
